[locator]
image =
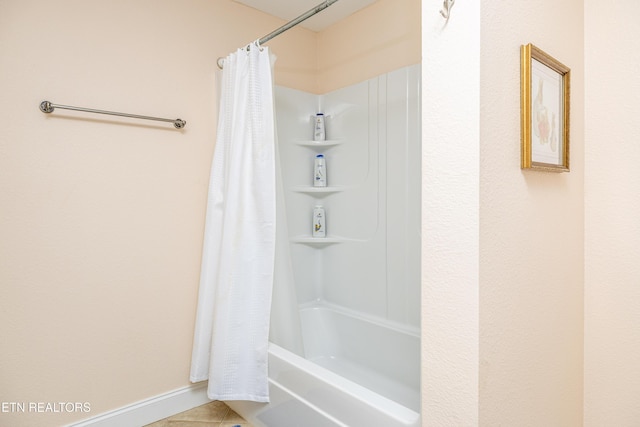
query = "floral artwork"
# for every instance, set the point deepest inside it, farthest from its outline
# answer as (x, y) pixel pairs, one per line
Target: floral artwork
(546, 113)
(544, 117)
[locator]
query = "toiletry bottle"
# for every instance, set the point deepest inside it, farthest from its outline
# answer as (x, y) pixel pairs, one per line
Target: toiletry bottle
(318, 128)
(319, 229)
(319, 171)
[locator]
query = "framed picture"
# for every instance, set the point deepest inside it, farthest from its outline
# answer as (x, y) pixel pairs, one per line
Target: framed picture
(545, 88)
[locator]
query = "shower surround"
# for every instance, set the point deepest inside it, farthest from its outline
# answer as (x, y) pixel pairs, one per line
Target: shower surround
(356, 358)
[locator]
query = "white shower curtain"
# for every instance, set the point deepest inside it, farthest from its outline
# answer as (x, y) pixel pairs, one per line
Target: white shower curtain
(232, 325)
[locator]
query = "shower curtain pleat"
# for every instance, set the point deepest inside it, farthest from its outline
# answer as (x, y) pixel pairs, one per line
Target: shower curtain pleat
(232, 323)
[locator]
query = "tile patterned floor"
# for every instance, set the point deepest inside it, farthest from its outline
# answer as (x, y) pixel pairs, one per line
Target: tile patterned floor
(214, 414)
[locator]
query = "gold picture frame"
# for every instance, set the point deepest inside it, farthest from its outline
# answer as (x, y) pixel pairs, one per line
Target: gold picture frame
(545, 94)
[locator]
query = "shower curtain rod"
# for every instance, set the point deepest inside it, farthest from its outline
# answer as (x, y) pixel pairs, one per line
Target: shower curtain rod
(308, 14)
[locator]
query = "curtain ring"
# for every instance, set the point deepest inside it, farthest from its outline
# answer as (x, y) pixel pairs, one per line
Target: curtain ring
(256, 43)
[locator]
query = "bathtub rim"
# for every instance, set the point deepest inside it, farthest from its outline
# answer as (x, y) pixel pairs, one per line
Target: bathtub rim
(356, 391)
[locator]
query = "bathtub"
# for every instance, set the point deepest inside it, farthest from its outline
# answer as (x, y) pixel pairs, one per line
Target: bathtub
(359, 371)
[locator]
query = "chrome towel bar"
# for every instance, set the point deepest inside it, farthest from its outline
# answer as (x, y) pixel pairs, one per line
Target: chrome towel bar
(48, 107)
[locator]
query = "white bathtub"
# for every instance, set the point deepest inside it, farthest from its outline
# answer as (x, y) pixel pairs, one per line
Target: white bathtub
(359, 372)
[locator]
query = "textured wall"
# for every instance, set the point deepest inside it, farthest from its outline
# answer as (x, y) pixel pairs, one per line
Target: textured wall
(501, 247)
(612, 291)
(450, 214)
(531, 230)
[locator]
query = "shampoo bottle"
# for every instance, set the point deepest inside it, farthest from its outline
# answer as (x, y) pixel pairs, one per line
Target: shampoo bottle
(319, 171)
(319, 229)
(318, 128)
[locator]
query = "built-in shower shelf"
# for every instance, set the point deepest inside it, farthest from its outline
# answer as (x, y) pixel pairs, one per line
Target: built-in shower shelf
(320, 241)
(318, 191)
(320, 144)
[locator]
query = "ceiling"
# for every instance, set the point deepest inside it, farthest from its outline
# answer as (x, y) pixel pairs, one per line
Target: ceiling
(290, 9)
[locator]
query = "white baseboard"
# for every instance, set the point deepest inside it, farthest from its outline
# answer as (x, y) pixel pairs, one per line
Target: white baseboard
(150, 410)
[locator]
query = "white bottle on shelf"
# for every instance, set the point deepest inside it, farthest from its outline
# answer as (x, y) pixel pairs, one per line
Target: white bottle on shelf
(319, 171)
(319, 227)
(319, 133)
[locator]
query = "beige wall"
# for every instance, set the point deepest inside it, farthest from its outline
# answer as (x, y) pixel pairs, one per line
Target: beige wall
(375, 40)
(612, 261)
(502, 248)
(450, 215)
(102, 217)
(559, 272)
(531, 230)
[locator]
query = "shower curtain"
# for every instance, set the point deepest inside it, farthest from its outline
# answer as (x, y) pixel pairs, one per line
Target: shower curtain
(232, 324)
